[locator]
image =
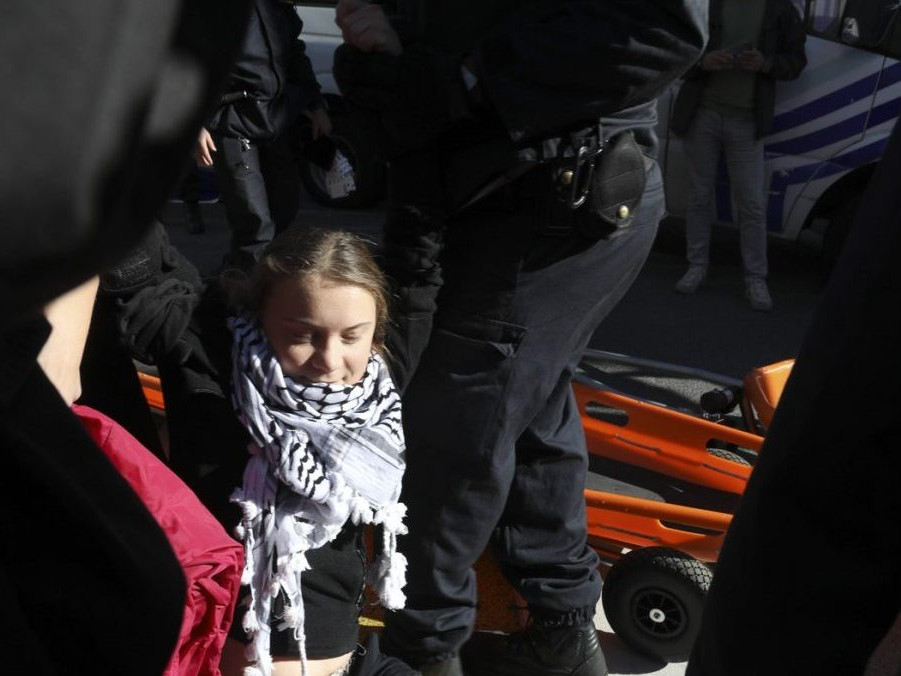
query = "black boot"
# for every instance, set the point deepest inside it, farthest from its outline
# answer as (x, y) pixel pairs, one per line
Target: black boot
(543, 650)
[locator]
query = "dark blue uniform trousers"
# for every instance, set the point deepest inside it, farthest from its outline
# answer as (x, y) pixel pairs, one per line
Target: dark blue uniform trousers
(259, 183)
(496, 451)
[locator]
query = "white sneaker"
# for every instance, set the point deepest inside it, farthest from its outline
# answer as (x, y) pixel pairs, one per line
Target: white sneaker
(691, 280)
(759, 295)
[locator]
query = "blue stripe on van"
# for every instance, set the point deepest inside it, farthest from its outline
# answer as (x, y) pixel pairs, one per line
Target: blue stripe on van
(838, 164)
(840, 131)
(824, 105)
(845, 96)
(890, 75)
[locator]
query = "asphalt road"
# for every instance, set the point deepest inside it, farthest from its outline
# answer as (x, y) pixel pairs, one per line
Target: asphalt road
(713, 331)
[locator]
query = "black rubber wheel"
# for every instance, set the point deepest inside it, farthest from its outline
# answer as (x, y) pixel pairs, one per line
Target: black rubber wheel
(654, 597)
(369, 172)
(728, 455)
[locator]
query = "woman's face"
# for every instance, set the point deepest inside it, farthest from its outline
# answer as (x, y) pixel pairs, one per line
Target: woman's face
(321, 331)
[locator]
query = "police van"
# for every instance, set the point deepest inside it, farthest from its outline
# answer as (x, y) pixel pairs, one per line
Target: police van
(830, 126)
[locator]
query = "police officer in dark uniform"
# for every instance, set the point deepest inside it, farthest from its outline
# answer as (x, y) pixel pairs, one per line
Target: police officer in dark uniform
(252, 137)
(523, 200)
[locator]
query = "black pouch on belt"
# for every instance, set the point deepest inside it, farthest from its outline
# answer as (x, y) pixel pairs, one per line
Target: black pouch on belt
(602, 185)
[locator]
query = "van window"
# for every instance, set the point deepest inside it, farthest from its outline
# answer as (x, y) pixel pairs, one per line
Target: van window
(872, 25)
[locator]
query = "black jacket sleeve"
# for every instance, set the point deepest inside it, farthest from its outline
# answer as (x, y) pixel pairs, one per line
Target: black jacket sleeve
(545, 67)
(301, 74)
(789, 58)
(554, 64)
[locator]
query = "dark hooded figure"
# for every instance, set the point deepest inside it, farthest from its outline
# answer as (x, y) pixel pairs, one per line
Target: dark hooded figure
(108, 99)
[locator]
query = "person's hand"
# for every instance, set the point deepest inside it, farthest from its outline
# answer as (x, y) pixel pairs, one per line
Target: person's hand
(750, 60)
(60, 358)
(320, 122)
(366, 27)
(717, 60)
(204, 149)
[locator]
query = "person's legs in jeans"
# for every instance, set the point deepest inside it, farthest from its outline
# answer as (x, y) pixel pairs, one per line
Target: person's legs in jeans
(702, 144)
(744, 159)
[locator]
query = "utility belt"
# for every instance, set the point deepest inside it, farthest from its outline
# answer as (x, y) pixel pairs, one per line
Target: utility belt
(597, 189)
(592, 185)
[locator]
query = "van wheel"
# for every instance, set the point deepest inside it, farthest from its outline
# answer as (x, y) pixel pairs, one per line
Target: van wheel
(369, 173)
(837, 233)
(654, 597)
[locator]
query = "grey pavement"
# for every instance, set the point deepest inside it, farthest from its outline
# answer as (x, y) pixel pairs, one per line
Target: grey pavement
(714, 329)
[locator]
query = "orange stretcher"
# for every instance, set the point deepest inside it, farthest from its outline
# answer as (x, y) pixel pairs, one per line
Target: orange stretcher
(659, 555)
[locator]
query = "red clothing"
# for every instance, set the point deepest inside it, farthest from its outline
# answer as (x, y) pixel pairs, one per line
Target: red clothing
(211, 560)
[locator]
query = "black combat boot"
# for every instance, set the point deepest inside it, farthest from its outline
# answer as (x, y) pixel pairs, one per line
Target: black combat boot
(543, 650)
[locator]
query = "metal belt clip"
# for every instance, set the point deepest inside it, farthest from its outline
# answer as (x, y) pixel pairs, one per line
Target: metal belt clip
(578, 178)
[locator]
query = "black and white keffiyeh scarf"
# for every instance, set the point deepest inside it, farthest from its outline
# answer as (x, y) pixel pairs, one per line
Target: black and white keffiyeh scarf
(322, 454)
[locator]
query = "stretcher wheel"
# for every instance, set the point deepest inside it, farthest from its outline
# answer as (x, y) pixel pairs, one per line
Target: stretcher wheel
(653, 598)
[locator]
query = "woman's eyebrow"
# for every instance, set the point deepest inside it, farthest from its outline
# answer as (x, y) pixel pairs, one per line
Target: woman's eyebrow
(308, 322)
(358, 326)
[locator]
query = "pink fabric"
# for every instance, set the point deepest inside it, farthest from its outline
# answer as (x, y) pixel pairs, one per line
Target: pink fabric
(211, 560)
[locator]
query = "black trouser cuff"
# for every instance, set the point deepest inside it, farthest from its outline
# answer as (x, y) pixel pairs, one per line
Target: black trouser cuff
(552, 619)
